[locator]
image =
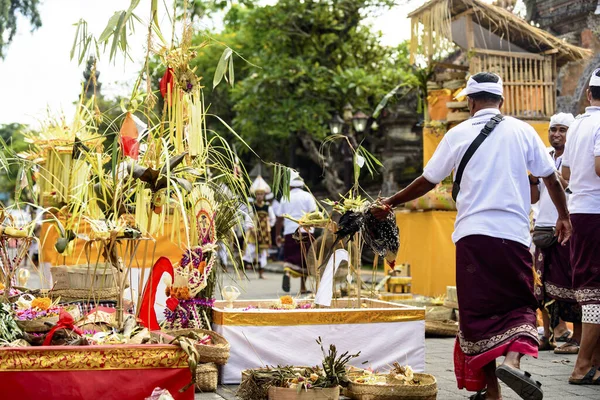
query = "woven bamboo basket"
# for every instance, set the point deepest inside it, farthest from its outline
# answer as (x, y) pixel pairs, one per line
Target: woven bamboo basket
(438, 313)
(207, 377)
(84, 294)
(39, 325)
(217, 353)
(427, 390)
(441, 328)
(279, 393)
(100, 276)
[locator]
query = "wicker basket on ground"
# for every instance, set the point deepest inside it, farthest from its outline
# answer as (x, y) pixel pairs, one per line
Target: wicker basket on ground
(217, 353)
(427, 390)
(447, 328)
(207, 377)
(279, 393)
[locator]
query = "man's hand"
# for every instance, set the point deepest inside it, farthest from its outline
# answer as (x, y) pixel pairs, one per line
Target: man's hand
(279, 241)
(381, 208)
(563, 230)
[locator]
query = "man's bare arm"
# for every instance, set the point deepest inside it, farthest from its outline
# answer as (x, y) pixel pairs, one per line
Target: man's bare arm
(534, 189)
(566, 173)
(557, 194)
(416, 189)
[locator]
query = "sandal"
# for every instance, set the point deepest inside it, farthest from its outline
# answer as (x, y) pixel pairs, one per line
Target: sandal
(571, 347)
(479, 395)
(564, 337)
(520, 382)
(588, 379)
(546, 345)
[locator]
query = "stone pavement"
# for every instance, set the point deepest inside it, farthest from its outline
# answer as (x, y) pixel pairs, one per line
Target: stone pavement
(550, 369)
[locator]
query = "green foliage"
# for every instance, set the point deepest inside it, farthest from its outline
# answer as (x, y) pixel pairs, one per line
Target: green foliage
(198, 9)
(9, 330)
(12, 136)
(303, 61)
(9, 14)
(114, 35)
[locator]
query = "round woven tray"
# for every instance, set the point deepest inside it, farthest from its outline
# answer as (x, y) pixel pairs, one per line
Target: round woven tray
(84, 294)
(207, 377)
(279, 393)
(38, 325)
(426, 391)
(441, 328)
(218, 353)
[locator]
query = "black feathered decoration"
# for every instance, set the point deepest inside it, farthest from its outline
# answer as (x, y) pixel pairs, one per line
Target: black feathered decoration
(381, 236)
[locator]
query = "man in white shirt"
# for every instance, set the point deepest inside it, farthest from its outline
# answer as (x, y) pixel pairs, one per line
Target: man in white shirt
(552, 261)
(299, 203)
(494, 272)
(581, 167)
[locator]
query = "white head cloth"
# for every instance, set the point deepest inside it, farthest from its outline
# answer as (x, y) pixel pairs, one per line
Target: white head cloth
(475, 87)
(565, 119)
(295, 180)
(595, 79)
(259, 185)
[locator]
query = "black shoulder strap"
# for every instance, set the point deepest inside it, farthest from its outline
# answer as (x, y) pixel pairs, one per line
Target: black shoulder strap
(487, 129)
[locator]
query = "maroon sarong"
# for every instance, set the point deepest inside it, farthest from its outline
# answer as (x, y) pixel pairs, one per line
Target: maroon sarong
(292, 252)
(497, 306)
(556, 294)
(553, 265)
(585, 257)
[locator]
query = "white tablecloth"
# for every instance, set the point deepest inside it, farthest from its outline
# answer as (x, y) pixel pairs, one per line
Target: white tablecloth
(380, 344)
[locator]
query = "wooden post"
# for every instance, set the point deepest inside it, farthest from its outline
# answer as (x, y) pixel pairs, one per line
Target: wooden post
(469, 32)
(552, 62)
(527, 87)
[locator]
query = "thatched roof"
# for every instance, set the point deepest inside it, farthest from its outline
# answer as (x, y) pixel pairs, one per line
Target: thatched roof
(505, 26)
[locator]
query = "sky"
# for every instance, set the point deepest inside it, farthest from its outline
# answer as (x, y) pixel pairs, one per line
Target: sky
(38, 75)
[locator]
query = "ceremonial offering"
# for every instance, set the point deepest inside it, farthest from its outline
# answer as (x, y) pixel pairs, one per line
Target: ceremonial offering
(400, 383)
(298, 383)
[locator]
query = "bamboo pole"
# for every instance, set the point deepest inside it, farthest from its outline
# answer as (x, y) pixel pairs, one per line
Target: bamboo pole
(527, 88)
(542, 89)
(513, 89)
(521, 91)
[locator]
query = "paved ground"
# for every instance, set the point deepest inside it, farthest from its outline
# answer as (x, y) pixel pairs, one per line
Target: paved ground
(550, 369)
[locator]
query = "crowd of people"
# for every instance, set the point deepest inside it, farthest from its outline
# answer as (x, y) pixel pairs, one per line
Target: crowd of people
(267, 228)
(500, 166)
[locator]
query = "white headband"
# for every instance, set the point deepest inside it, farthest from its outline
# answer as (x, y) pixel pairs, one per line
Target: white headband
(475, 87)
(595, 79)
(565, 119)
